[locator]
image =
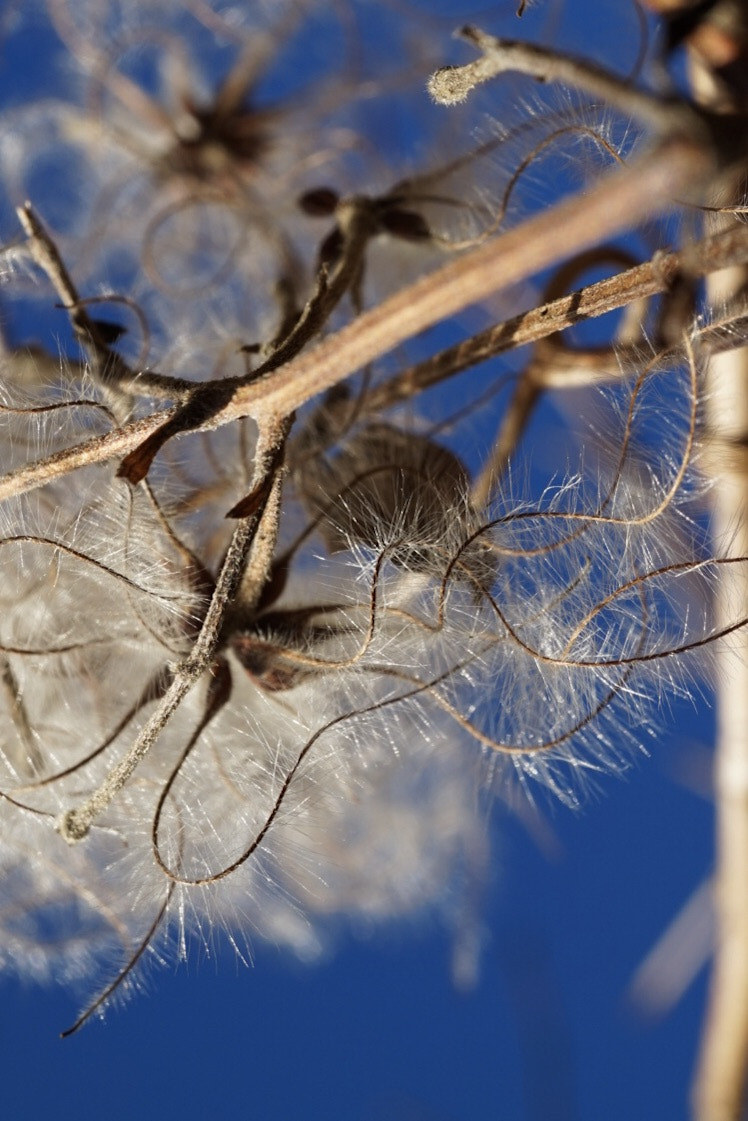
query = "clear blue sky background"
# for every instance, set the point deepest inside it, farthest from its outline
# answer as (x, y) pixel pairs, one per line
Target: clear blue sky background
(378, 1032)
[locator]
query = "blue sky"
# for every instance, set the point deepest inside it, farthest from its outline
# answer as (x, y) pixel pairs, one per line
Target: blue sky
(379, 1032)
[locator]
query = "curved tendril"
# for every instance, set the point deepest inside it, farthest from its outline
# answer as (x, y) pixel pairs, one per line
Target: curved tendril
(633, 659)
(58, 406)
(139, 362)
(598, 517)
(529, 159)
(150, 255)
(124, 973)
(85, 559)
(298, 657)
(153, 691)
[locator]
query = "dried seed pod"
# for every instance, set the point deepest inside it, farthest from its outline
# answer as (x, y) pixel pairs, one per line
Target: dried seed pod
(320, 202)
(387, 488)
(408, 225)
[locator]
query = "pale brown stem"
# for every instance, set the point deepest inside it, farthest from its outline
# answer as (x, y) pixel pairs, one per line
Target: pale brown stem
(101, 448)
(75, 824)
(721, 1083)
(453, 84)
(244, 568)
(619, 201)
(637, 283)
(114, 374)
(25, 756)
(721, 1087)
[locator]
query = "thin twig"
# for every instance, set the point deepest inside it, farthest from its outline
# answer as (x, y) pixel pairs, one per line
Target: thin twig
(453, 84)
(97, 450)
(722, 1078)
(246, 567)
(720, 1091)
(75, 824)
(480, 273)
(113, 373)
(637, 283)
(619, 201)
(29, 759)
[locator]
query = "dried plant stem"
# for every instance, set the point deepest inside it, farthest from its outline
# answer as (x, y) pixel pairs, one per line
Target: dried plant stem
(75, 824)
(678, 955)
(722, 1078)
(453, 84)
(113, 373)
(245, 566)
(44, 252)
(621, 200)
(637, 283)
(29, 759)
(721, 1087)
(98, 450)
(523, 401)
(677, 166)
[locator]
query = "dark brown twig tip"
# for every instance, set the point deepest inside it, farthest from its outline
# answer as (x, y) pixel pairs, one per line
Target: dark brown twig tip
(251, 502)
(135, 466)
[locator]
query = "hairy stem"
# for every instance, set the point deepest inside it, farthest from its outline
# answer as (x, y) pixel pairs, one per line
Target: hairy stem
(75, 824)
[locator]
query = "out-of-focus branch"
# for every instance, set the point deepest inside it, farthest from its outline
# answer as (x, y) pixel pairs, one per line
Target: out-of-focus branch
(723, 1071)
(721, 1086)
